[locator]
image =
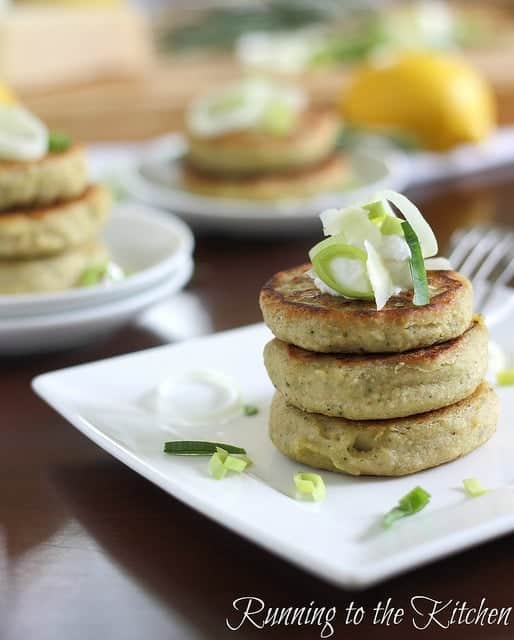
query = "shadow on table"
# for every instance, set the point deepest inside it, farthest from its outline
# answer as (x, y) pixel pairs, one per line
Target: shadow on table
(196, 569)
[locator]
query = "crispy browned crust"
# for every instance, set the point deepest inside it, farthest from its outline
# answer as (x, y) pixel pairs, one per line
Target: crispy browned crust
(385, 447)
(298, 313)
(91, 192)
(378, 386)
(50, 229)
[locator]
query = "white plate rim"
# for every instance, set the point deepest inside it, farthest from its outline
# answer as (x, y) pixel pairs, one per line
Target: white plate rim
(363, 577)
(12, 304)
(226, 209)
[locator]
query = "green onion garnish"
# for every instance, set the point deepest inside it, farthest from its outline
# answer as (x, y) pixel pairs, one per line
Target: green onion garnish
(410, 504)
(221, 462)
(417, 266)
(378, 211)
(310, 485)
(58, 141)
(198, 448)
(474, 487)
(505, 377)
(92, 275)
(250, 410)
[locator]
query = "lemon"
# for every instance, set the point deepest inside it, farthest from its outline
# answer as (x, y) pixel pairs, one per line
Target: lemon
(439, 99)
(6, 95)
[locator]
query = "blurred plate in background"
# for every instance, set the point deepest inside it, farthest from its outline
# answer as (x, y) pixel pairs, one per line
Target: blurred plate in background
(150, 246)
(155, 180)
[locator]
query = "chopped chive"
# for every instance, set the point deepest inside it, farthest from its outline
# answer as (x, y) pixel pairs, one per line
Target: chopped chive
(250, 410)
(58, 141)
(93, 274)
(198, 448)
(417, 266)
(505, 377)
(474, 487)
(310, 485)
(410, 504)
(221, 462)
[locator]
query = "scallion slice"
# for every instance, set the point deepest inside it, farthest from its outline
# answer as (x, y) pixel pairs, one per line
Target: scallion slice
(505, 377)
(378, 211)
(342, 267)
(250, 410)
(417, 266)
(310, 485)
(58, 141)
(411, 503)
(94, 274)
(198, 448)
(474, 487)
(221, 462)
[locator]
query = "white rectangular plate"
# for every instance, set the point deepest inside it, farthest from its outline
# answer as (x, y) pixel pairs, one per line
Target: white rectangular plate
(340, 539)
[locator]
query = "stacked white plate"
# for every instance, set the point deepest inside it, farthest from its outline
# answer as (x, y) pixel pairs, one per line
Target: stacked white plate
(155, 252)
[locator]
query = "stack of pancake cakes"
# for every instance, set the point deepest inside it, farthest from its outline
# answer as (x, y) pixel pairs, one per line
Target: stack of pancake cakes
(384, 393)
(256, 164)
(50, 218)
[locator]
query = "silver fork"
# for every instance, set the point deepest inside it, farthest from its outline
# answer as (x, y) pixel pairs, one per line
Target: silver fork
(486, 256)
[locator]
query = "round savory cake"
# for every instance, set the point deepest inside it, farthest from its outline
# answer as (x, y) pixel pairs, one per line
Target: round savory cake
(251, 151)
(51, 273)
(329, 175)
(58, 176)
(393, 447)
(377, 386)
(297, 312)
(42, 231)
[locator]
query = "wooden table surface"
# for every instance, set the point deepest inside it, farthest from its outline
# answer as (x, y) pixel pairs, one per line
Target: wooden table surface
(88, 549)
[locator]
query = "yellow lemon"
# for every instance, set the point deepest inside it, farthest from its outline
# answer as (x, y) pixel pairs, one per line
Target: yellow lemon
(439, 99)
(6, 95)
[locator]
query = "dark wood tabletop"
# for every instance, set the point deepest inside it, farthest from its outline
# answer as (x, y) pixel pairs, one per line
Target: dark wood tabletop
(90, 550)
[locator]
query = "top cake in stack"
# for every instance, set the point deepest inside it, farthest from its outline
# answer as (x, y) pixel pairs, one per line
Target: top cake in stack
(386, 392)
(250, 142)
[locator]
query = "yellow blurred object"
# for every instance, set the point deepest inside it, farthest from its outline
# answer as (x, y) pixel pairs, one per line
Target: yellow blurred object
(6, 95)
(439, 99)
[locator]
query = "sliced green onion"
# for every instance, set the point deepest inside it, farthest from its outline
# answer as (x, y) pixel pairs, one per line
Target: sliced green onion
(22, 135)
(221, 462)
(58, 141)
(378, 276)
(412, 214)
(342, 267)
(278, 118)
(310, 485)
(198, 448)
(250, 410)
(417, 266)
(474, 487)
(200, 396)
(392, 226)
(93, 274)
(411, 503)
(378, 211)
(505, 377)
(216, 467)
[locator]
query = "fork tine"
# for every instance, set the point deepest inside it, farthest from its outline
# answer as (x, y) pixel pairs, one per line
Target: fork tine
(463, 244)
(476, 257)
(503, 279)
(495, 258)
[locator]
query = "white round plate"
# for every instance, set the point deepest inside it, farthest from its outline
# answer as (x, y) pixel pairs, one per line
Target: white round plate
(51, 332)
(147, 244)
(156, 180)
